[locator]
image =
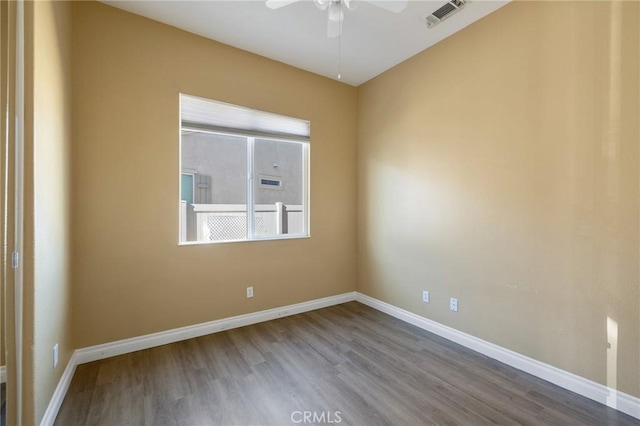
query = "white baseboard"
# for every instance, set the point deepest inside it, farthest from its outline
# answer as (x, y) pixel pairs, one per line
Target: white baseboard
(94, 353)
(61, 391)
(595, 391)
(3, 374)
(620, 401)
(120, 347)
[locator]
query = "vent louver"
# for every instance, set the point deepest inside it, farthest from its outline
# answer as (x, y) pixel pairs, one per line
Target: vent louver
(444, 12)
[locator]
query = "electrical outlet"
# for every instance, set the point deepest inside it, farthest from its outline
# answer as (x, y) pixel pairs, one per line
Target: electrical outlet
(55, 355)
(249, 292)
(425, 296)
(453, 304)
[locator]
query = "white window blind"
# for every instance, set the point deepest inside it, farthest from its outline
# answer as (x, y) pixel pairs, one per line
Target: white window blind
(204, 114)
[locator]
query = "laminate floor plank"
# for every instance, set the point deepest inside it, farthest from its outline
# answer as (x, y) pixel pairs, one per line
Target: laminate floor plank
(424, 385)
(346, 364)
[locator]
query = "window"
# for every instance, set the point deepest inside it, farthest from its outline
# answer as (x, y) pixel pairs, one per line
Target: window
(243, 173)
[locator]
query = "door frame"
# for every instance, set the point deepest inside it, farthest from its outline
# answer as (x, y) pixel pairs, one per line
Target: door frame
(12, 199)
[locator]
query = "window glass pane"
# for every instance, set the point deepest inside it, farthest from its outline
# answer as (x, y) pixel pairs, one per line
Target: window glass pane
(219, 167)
(278, 188)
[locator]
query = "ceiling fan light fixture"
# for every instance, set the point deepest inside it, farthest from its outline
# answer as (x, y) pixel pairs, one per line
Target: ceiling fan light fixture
(277, 4)
(322, 4)
(335, 12)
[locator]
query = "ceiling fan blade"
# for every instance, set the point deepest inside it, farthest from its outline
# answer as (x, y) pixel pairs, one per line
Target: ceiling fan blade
(277, 4)
(333, 28)
(395, 6)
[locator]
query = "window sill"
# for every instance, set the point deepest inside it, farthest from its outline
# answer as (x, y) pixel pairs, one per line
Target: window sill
(287, 237)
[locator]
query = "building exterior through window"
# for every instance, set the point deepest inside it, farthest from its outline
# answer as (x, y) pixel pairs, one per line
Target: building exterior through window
(241, 178)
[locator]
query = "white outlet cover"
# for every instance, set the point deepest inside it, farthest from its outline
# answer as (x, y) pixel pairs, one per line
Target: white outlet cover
(425, 296)
(453, 305)
(249, 292)
(55, 355)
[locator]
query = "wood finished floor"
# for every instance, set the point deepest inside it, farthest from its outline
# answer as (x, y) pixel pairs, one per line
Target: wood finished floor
(351, 359)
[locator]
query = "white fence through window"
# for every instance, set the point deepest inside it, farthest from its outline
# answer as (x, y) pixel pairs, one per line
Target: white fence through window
(228, 222)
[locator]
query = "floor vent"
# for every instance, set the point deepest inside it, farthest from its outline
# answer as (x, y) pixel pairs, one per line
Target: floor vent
(444, 12)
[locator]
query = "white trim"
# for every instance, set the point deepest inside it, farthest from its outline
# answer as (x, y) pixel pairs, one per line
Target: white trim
(19, 205)
(273, 237)
(306, 188)
(618, 400)
(94, 353)
(61, 391)
(251, 224)
(595, 391)
(3, 374)
(242, 208)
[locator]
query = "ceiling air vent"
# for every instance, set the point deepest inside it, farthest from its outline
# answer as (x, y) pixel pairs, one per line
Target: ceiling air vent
(444, 12)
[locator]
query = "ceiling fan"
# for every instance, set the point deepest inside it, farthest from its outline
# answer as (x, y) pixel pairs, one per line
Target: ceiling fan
(335, 9)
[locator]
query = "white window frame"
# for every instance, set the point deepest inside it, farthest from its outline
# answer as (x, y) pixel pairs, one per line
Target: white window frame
(250, 203)
(306, 155)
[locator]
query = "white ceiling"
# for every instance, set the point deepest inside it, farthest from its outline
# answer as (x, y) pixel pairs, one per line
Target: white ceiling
(373, 39)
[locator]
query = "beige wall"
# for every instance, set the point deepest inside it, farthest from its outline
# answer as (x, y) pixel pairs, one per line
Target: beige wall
(501, 167)
(130, 276)
(48, 290)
